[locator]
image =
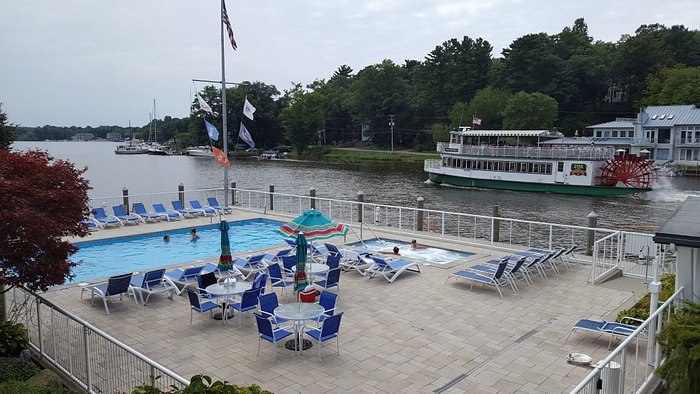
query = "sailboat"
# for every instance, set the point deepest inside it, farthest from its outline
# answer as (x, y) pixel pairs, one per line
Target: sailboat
(154, 147)
(133, 147)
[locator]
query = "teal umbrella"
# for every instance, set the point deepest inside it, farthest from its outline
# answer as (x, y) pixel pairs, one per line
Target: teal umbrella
(314, 225)
(225, 258)
(300, 281)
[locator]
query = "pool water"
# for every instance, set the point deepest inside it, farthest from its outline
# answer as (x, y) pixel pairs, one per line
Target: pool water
(99, 259)
(428, 255)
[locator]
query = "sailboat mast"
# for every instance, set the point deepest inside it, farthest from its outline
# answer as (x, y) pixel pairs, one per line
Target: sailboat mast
(223, 101)
(155, 123)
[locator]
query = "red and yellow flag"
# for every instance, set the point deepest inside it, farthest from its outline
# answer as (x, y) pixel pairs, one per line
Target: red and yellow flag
(220, 156)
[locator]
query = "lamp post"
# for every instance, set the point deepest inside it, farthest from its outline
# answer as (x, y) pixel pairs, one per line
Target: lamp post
(391, 123)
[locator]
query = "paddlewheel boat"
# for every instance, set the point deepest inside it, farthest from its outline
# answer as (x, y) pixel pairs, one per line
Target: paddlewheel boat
(592, 170)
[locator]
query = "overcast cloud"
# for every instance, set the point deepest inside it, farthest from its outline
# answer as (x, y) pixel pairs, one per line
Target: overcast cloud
(80, 62)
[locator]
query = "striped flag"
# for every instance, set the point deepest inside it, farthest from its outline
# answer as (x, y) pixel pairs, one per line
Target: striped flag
(224, 19)
(476, 120)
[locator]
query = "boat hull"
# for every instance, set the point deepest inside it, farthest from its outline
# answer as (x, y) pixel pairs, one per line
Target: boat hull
(600, 191)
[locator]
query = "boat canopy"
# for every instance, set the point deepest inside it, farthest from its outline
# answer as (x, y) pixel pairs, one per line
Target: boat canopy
(508, 133)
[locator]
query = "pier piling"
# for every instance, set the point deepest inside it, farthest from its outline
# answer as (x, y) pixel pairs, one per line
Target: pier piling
(312, 198)
(125, 193)
(590, 240)
(495, 224)
(272, 200)
(233, 193)
(360, 200)
(181, 193)
(419, 214)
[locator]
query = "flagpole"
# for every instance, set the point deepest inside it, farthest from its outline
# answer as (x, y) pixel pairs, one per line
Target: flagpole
(223, 102)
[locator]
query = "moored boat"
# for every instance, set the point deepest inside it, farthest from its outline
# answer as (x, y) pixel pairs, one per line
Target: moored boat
(591, 170)
(131, 148)
(200, 151)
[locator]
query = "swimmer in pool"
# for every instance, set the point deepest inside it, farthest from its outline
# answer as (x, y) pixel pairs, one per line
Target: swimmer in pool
(193, 234)
(416, 245)
(166, 238)
(393, 251)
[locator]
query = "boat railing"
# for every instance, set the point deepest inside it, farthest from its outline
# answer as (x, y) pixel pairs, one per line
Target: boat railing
(529, 152)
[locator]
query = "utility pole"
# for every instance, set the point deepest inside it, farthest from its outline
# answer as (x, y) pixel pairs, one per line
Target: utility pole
(391, 123)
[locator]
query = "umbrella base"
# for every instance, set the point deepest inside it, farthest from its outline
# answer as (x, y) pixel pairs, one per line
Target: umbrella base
(292, 344)
(220, 315)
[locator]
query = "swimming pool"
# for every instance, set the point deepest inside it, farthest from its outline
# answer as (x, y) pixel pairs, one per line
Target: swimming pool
(429, 255)
(98, 259)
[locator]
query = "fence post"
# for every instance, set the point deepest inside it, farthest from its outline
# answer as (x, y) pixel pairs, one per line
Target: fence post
(592, 222)
(88, 372)
(361, 200)
(181, 193)
(125, 194)
(495, 225)
(272, 203)
(312, 200)
(419, 214)
(38, 327)
(233, 193)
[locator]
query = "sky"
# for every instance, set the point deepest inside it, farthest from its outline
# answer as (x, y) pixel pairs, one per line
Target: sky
(92, 63)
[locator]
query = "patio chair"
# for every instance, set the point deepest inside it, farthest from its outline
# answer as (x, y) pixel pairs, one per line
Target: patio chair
(106, 220)
(332, 249)
(196, 305)
(291, 243)
(288, 262)
(214, 267)
(354, 260)
(563, 257)
(268, 302)
(151, 282)
(121, 214)
(266, 332)
(327, 332)
(260, 281)
(332, 279)
(205, 280)
(327, 300)
(186, 212)
(277, 257)
(213, 203)
(140, 210)
(167, 214)
(620, 329)
(545, 263)
(249, 302)
(206, 211)
(92, 224)
(390, 269)
(181, 278)
(318, 251)
(277, 279)
(495, 279)
(512, 268)
(115, 286)
(250, 265)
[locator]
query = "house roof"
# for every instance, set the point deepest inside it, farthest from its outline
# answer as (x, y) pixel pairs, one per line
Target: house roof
(615, 124)
(510, 133)
(603, 141)
(670, 115)
(682, 228)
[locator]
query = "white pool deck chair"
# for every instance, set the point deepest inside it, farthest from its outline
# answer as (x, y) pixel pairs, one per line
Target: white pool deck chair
(390, 269)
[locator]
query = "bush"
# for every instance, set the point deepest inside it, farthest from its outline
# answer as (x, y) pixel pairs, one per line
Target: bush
(202, 384)
(17, 387)
(16, 369)
(640, 310)
(680, 345)
(13, 339)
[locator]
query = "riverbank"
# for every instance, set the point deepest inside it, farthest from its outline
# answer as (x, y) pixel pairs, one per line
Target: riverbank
(360, 155)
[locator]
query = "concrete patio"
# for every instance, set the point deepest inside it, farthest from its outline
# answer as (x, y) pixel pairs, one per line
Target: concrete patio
(417, 334)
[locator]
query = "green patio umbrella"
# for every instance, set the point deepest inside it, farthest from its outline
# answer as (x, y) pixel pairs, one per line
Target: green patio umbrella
(225, 258)
(300, 281)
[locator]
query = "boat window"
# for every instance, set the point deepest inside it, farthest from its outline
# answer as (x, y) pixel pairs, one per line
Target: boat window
(536, 168)
(501, 166)
(489, 165)
(511, 166)
(548, 169)
(560, 166)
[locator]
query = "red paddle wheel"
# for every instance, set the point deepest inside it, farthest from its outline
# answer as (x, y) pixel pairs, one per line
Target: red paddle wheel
(631, 171)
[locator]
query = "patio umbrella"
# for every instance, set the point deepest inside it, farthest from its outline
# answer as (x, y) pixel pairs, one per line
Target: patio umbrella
(300, 281)
(314, 226)
(225, 258)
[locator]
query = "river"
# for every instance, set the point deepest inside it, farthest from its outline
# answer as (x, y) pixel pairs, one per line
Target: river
(386, 183)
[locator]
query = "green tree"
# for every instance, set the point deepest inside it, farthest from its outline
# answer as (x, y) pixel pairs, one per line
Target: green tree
(680, 344)
(7, 131)
(303, 119)
(460, 115)
(677, 85)
(533, 111)
(489, 104)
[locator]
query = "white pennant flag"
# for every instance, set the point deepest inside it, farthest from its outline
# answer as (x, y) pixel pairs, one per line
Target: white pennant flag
(248, 109)
(204, 106)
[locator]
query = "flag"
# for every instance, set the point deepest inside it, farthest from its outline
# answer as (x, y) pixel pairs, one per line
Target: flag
(476, 120)
(220, 156)
(245, 136)
(224, 18)
(248, 109)
(204, 106)
(212, 131)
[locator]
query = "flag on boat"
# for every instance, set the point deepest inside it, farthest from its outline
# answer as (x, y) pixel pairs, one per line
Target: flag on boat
(204, 106)
(245, 136)
(224, 18)
(220, 156)
(211, 130)
(476, 120)
(248, 109)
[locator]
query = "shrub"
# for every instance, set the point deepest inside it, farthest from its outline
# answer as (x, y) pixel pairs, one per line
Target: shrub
(17, 387)
(202, 384)
(16, 369)
(13, 339)
(680, 344)
(640, 310)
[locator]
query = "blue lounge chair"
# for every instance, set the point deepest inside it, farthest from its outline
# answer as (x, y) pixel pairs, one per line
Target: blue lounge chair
(612, 328)
(106, 220)
(115, 286)
(91, 224)
(266, 332)
(140, 209)
(182, 278)
(495, 279)
(512, 268)
(390, 270)
(167, 214)
(329, 330)
(121, 214)
(186, 212)
(206, 211)
(150, 283)
(215, 204)
(250, 265)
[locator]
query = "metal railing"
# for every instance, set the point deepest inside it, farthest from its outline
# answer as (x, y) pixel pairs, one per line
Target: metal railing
(632, 253)
(530, 152)
(630, 367)
(91, 358)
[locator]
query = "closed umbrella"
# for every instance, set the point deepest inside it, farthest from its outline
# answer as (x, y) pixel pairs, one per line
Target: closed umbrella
(300, 281)
(314, 225)
(225, 258)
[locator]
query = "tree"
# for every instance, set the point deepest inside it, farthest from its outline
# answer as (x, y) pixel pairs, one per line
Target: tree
(303, 119)
(7, 131)
(680, 346)
(489, 104)
(36, 216)
(677, 85)
(532, 111)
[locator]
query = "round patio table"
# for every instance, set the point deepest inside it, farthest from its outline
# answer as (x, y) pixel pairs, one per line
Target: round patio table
(227, 291)
(298, 312)
(314, 268)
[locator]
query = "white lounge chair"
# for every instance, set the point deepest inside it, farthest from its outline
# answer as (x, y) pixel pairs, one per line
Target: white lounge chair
(391, 270)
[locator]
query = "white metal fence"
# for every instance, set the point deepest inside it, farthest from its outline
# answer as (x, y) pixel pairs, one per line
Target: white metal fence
(630, 367)
(91, 358)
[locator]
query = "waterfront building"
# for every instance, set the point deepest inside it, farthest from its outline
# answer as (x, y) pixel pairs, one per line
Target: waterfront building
(83, 137)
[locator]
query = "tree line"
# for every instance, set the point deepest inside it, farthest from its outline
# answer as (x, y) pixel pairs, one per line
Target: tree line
(564, 81)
